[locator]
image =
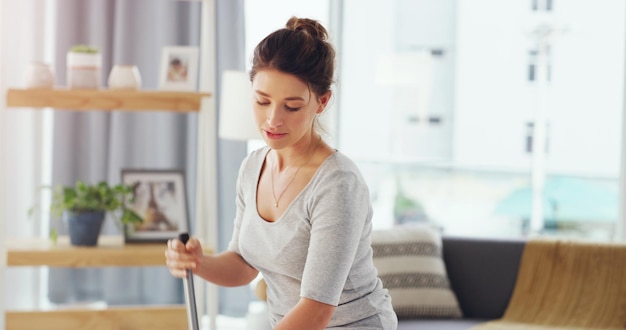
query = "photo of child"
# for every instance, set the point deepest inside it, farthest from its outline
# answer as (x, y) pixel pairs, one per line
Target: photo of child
(178, 68)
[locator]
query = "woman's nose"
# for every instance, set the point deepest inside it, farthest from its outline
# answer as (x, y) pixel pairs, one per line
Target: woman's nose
(274, 116)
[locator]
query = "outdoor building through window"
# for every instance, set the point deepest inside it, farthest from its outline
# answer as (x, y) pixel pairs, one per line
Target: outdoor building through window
(521, 118)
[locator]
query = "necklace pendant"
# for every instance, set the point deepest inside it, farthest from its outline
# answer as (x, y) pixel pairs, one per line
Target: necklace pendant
(276, 204)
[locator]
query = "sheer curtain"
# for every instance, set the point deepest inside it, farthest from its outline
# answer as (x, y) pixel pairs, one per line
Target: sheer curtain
(94, 146)
(22, 141)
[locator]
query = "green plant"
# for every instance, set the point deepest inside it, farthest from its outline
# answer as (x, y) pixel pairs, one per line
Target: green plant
(88, 198)
(84, 49)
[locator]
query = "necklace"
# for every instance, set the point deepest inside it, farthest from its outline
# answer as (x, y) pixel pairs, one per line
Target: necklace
(276, 200)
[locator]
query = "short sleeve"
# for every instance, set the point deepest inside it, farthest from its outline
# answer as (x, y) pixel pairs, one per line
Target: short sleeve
(339, 212)
(244, 172)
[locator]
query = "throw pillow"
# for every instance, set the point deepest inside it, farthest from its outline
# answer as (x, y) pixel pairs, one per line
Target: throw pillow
(410, 264)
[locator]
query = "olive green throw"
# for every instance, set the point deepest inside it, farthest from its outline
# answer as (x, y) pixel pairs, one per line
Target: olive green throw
(567, 285)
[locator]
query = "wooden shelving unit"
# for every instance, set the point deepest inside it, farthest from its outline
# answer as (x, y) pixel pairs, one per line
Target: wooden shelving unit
(157, 317)
(103, 99)
(111, 251)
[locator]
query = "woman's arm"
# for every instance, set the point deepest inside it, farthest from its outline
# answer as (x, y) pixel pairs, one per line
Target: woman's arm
(307, 314)
(224, 269)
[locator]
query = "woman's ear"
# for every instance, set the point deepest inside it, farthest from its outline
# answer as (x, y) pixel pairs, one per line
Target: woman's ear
(324, 101)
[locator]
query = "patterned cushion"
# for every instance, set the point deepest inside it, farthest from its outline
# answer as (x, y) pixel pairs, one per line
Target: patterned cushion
(410, 265)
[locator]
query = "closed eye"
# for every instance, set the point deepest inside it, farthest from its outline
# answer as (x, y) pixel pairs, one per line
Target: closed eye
(288, 108)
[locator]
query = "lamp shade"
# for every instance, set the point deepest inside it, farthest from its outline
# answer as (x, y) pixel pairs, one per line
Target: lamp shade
(236, 117)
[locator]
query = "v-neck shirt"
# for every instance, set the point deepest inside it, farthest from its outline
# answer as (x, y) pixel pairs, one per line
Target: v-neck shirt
(319, 248)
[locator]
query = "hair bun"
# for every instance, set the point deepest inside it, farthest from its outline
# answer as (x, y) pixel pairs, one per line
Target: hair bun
(308, 26)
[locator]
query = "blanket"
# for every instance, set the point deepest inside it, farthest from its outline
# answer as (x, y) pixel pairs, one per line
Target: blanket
(567, 285)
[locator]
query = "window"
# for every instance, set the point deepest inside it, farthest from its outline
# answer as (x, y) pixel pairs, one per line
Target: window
(532, 65)
(471, 173)
(536, 5)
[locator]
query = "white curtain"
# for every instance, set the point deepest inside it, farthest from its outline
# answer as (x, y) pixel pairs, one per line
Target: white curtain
(23, 136)
(94, 146)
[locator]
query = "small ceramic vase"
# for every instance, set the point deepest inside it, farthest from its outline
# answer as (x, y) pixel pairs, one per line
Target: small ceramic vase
(40, 75)
(124, 77)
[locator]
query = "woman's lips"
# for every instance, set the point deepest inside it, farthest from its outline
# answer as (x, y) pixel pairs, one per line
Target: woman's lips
(274, 135)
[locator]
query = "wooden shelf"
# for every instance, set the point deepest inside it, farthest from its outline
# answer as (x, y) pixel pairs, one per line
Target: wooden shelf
(146, 317)
(104, 99)
(111, 251)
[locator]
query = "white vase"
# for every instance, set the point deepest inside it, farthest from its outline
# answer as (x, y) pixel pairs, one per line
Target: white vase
(39, 75)
(83, 70)
(124, 77)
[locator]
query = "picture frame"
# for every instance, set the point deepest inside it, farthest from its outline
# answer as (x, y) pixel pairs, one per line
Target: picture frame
(179, 68)
(160, 200)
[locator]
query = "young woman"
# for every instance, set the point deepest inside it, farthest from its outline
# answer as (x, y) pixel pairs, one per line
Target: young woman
(303, 210)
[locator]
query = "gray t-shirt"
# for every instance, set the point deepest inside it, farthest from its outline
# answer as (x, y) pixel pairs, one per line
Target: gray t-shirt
(320, 248)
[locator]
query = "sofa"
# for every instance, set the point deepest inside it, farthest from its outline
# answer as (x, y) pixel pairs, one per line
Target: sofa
(443, 282)
(482, 274)
(450, 283)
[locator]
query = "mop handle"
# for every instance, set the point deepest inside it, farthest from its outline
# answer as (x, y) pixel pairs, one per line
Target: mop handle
(190, 297)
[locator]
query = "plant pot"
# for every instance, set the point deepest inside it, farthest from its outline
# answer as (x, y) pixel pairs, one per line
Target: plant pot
(83, 70)
(84, 227)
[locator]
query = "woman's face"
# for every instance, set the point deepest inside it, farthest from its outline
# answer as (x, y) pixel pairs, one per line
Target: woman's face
(284, 108)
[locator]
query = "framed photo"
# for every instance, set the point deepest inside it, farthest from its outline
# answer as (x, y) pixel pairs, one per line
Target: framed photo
(179, 69)
(159, 198)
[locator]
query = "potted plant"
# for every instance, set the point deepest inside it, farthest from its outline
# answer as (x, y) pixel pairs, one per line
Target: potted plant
(84, 67)
(85, 207)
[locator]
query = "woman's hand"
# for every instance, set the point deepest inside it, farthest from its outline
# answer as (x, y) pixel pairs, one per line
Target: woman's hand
(225, 269)
(183, 257)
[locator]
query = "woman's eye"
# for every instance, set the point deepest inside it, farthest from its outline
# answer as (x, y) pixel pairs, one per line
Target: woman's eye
(291, 109)
(262, 102)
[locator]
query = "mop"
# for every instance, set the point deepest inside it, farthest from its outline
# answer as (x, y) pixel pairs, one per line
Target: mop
(190, 297)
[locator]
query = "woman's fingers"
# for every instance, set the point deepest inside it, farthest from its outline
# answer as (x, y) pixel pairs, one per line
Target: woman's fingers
(194, 246)
(179, 273)
(178, 259)
(175, 244)
(176, 271)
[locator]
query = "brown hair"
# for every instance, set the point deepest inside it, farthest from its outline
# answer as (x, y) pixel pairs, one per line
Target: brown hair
(300, 48)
